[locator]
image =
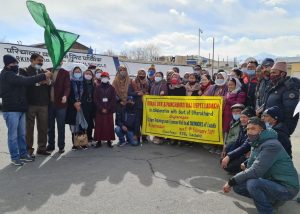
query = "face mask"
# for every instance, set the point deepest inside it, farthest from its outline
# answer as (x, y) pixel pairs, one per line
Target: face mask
(142, 77)
(88, 76)
(122, 73)
(220, 82)
(77, 75)
(253, 138)
(250, 72)
(98, 75)
(151, 73)
(236, 116)
(105, 80)
(38, 66)
(158, 79)
(14, 68)
(268, 125)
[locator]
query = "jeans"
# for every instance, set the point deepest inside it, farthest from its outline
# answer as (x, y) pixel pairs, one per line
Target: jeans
(265, 193)
(129, 136)
(60, 115)
(15, 122)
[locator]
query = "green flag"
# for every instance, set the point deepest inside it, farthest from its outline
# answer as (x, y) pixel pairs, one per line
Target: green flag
(58, 42)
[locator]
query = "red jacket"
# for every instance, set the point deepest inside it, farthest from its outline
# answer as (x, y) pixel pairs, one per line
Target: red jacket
(61, 88)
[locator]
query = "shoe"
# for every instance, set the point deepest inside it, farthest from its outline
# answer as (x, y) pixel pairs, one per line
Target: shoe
(17, 162)
(98, 144)
(61, 151)
(27, 158)
(44, 152)
(109, 144)
(84, 147)
(75, 148)
(122, 144)
(50, 149)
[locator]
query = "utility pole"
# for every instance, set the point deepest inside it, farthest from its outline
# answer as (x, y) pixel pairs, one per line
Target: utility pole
(213, 57)
(199, 56)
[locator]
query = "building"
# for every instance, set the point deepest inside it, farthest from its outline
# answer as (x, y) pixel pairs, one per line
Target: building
(77, 47)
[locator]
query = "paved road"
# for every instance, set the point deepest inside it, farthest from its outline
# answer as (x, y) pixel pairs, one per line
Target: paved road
(145, 179)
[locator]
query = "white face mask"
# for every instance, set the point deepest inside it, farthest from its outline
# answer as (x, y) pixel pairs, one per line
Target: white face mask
(88, 76)
(220, 82)
(98, 75)
(105, 80)
(37, 67)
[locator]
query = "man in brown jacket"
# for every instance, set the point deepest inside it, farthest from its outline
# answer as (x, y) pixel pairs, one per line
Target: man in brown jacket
(59, 93)
(38, 100)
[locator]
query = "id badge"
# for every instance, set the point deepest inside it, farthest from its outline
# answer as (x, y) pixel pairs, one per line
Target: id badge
(105, 100)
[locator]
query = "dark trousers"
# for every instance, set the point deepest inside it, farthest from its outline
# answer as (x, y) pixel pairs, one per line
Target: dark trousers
(234, 166)
(58, 114)
(40, 113)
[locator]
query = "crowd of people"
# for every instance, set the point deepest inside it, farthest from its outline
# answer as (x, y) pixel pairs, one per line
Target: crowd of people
(258, 106)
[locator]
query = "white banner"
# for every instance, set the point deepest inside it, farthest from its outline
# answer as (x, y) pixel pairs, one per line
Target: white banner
(23, 53)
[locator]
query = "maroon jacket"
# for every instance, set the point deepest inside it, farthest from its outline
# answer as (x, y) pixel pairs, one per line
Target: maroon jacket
(61, 88)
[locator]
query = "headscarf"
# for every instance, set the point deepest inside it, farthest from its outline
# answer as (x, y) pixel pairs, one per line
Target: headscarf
(169, 76)
(121, 84)
(72, 76)
(140, 85)
(238, 84)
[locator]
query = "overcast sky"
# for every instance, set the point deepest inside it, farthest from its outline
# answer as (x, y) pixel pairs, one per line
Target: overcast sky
(240, 27)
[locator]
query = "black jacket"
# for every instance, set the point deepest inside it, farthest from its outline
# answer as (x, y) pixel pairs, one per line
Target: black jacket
(285, 95)
(37, 95)
(13, 90)
(284, 137)
(127, 117)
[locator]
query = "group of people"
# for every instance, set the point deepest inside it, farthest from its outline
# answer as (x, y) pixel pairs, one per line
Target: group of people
(258, 105)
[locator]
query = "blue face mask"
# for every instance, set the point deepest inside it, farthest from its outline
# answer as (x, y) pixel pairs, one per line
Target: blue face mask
(158, 79)
(250, 72)
(77, 75)
(236, 116)
(151, 73)
(268, 125)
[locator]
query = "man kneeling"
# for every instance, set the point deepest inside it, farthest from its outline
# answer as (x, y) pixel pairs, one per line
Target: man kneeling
(270, 176)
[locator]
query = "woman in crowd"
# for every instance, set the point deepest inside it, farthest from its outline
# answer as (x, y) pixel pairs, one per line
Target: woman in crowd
(137, 89)
(185, 78)
(97, 79)
(75, 102)
(159, 88)
(105, 100)
(192, 87)
(87, 103)
(121, 85)
(234, 95)
(205, 85)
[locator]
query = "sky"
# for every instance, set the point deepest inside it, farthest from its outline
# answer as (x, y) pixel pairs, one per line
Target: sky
(240, 27)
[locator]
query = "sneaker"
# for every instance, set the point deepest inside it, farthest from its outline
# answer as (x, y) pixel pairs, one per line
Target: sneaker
(50, 149)
(84, 147)
(122, 144)
(17, 162)
(75, 148)
(98, 144)
(61, 151)
(109, 144)
(27, 158)
(43, 152)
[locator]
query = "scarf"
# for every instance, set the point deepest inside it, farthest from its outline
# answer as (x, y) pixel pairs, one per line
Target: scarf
(191, 88)
(140, 85)
(203, 88)
(121, 86)
(77, 94)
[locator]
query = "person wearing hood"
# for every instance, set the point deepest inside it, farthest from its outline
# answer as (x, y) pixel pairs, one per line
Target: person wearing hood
(97, 78)
(176, 88)
(270, 177)
(59, 94)
(236, 153)
(121, 85)
(234, 95)
(137, 89)
(284, 93)
(74, 101)
(237, 73)
(185, 78)
(38, 100)
(252, 82)
(151, 76)
(272, 118)
(15, 106)
(220, 87)
(126, 124)
(159, 88)
(105, 100)
(263, 84)
(192, 87)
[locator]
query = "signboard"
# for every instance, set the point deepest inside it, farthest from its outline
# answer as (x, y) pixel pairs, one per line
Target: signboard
(188, 118)
(23, 53)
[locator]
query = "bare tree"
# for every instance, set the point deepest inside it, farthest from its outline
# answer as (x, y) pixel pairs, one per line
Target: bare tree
(109, 52)
(148, 52)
